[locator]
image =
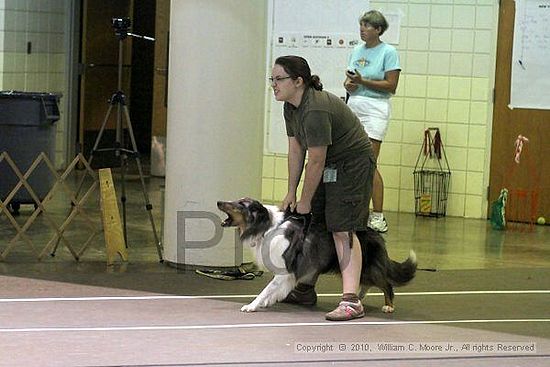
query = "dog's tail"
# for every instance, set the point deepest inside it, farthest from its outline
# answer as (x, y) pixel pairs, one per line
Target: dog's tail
(402, 273)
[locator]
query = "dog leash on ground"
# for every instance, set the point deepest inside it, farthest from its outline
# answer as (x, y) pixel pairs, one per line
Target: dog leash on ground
(240, 273)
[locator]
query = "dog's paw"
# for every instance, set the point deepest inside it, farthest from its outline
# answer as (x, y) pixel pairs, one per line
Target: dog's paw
(251, 307)
(388, 309)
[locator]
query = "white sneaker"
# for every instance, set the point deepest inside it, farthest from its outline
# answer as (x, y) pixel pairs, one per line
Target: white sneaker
(378, 224)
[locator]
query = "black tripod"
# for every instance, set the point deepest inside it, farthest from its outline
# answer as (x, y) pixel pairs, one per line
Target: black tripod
(118, 99)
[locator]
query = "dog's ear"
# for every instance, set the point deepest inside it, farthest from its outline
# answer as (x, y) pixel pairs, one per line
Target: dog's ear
(258, 220)
(257, 212)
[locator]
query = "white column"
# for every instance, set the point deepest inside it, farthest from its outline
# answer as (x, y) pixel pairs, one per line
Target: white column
(216, 94)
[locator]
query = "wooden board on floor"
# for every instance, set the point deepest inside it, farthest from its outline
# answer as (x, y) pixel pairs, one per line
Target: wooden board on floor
(112, 227)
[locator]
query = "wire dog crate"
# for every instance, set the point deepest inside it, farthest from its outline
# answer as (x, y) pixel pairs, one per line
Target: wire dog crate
(431, 184)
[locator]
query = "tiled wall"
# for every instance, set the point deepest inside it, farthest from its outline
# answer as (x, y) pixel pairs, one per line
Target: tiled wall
(447, 50)
(42, 23)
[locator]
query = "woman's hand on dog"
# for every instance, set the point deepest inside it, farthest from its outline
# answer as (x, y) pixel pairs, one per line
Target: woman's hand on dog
(289, 201)
(300, 207)
(303, 207)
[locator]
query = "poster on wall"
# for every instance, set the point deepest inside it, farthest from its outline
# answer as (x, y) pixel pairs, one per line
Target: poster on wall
(530, 80)
(323, 32)
(392, 34)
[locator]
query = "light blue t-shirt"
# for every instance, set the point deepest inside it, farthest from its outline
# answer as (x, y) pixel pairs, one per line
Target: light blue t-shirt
(373, 63)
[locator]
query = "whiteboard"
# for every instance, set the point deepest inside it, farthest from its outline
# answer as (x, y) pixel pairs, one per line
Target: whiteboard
(530, 80)
(323, 32)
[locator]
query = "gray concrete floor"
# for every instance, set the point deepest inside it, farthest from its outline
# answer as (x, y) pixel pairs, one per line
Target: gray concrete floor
(490, 289)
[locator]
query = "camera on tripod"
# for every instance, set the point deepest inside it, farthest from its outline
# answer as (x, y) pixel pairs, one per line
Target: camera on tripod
(121, 26)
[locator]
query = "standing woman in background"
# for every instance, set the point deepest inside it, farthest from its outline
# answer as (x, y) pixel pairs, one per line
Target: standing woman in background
(371, 79)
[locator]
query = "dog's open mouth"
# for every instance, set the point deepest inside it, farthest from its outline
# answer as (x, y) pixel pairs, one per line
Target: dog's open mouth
(227, 208)
(228, 222)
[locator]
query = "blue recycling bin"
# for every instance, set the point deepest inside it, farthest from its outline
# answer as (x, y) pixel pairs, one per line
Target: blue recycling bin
(27, 128)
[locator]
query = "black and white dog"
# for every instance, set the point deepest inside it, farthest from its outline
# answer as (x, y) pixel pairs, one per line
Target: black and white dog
(280, 247)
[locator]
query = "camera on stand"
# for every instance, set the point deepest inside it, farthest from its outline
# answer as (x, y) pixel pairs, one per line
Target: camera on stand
(121, 26)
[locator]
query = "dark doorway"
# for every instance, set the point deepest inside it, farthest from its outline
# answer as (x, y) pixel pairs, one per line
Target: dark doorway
(99, 59)
(143, 61)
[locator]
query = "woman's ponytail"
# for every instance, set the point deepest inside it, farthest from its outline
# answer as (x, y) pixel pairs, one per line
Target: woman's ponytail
(316, 82)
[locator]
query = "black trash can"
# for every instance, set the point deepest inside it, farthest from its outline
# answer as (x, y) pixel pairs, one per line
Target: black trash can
(27, 129)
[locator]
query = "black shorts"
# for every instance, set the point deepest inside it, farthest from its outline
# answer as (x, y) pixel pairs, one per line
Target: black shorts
(343, 205)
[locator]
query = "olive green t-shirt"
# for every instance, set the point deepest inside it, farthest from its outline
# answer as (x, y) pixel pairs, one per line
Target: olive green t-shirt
(323, 119)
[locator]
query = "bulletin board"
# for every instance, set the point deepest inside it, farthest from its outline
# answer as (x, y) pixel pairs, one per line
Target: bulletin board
(323, 32)
(530, 79)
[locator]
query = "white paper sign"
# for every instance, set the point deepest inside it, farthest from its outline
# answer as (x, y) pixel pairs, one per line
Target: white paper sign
(530, 80)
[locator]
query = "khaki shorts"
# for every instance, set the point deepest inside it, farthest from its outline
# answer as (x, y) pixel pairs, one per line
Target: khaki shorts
(343, 205)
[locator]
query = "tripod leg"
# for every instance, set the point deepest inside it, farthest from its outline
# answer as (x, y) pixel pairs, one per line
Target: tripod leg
(81, 183)
(148, 205)
(123, 165)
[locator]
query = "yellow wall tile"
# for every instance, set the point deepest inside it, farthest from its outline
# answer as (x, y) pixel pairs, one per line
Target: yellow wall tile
(482, 66)
(394, 134)
(476, 160)
(391, 199)
(436, 110)
(462, 40)
(391, 176)
(460, 88)
(417, 62)
(267, 189)
(402, 59)
(459, 111)
(397, 107)
(477, 136)
(457, 135)
(418, 39)
(409, 153)
(482, 41)
(413, 132)
(480, 89)
(455, 205)
(441, 16)
(406, 180)
(458, 181)
(406, 201)
(485, 17)
(416, 86)
(438, 87)
(268, 166)
(463, 16)
(473, 207)
(280, 189)
(457, 158)
(440, 39)
(419, 15)
(461, 64)
(390, 153)
(479, 112)
(281, 167)
(439, 63)
(414, 109)
(474, 183)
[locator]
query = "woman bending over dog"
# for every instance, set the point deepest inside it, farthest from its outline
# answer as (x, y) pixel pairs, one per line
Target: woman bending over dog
(337, 178)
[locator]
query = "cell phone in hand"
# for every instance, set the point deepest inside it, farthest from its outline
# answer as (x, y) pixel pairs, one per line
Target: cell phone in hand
(351, 72)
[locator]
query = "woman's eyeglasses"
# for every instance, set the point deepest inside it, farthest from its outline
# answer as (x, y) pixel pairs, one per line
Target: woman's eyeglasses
(277, 79)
